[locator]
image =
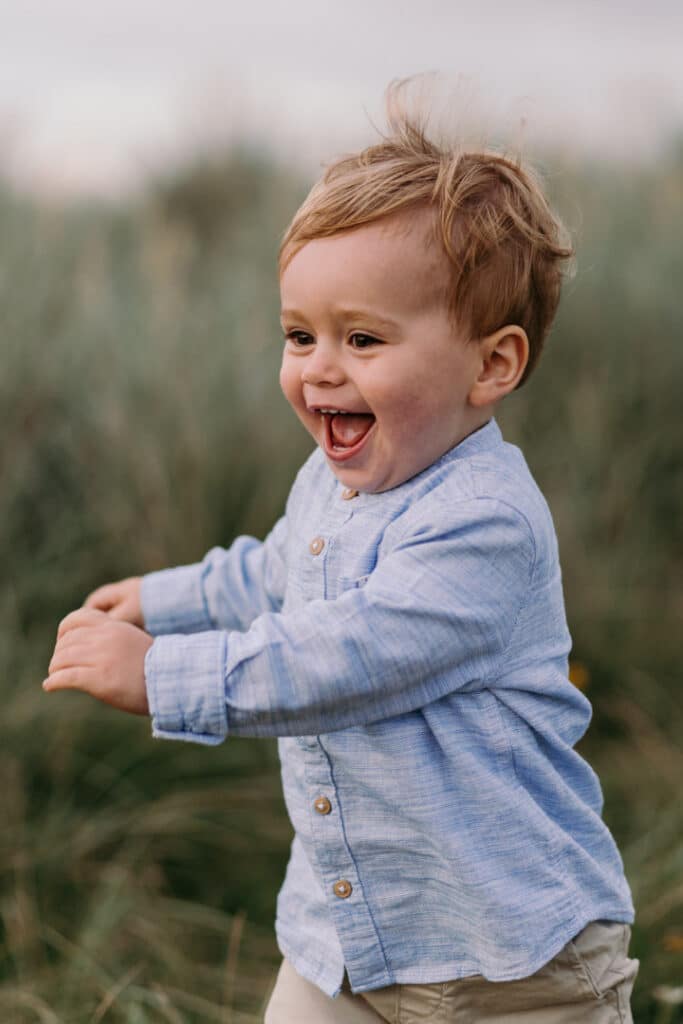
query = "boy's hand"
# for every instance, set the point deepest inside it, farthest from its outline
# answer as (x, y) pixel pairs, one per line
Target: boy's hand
(120, 600)
(102, 657)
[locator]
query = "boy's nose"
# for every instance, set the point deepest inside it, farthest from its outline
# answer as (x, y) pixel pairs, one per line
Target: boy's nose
(321, 367)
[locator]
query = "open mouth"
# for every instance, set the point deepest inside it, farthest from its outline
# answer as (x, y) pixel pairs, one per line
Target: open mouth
(345, 433)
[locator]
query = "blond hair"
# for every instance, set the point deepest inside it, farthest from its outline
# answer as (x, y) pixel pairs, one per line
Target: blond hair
(506, 248)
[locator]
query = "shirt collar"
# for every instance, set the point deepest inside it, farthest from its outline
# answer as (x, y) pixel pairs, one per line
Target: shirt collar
(483, 439)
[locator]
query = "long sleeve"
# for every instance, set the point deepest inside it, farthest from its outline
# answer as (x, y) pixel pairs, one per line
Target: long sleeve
(228, 589)
(434, 617)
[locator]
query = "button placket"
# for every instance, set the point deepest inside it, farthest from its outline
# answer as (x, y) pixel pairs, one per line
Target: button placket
(331, 852)
(333, 863)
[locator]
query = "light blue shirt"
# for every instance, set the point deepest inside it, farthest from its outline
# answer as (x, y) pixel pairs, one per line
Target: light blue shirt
(409, 649)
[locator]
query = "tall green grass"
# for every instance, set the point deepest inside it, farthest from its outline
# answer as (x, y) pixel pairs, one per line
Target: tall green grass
(142, 424)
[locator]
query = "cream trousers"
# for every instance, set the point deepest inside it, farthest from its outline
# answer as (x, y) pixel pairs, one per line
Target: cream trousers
(588, 982)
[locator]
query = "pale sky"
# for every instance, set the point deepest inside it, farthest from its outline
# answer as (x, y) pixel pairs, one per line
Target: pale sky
(94, 94)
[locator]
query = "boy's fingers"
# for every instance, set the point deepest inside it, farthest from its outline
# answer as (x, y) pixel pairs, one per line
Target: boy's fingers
(80, 617)
(68, 679)
(70, 654)
(77, 635)
(104, 597)
(119, 612)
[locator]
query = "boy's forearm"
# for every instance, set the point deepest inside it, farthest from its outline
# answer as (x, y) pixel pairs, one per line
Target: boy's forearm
(172, 601)
(228, 589)
(335, 665)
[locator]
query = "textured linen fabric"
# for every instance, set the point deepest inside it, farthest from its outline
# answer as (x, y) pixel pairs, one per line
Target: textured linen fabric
(414, 667)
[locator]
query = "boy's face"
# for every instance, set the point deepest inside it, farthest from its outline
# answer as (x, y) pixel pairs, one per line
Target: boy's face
(373, 366)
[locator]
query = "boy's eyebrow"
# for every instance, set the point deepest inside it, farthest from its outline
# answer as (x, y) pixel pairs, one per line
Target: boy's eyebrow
(293, 313)
(349, 313)
(360, 314)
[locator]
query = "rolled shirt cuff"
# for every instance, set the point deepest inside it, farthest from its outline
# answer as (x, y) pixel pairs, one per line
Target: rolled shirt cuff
(184, 676)
(173, 601)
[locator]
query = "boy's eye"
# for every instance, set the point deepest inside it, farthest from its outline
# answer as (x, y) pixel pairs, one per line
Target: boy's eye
(298, 338)
(359, 340)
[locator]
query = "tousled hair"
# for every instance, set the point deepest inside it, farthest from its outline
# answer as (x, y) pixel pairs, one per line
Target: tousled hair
(507, 251)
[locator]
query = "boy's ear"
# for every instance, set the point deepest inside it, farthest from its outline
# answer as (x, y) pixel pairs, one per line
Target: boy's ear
(504, 356)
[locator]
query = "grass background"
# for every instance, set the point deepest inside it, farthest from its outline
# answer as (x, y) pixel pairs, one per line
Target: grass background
(142, 424)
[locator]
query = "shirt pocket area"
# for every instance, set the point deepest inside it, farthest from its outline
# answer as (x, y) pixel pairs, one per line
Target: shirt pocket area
(340, 585)
(345, 583)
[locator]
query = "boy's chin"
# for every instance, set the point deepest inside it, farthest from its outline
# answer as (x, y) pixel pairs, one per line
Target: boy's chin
(363, 482)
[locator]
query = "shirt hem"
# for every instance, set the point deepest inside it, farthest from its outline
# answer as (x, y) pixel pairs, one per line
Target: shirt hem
(317, 974)
(456, 971)
(453, 970)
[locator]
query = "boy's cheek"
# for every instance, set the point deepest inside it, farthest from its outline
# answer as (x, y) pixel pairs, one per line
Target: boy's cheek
(290, 384)
(286, 382)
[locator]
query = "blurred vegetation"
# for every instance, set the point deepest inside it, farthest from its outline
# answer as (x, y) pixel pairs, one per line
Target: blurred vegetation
(142, 424)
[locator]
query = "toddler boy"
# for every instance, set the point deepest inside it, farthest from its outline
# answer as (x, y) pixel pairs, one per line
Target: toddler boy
(402, 628)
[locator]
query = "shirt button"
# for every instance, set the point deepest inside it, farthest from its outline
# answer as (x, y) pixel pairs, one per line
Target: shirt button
(342, 889)
(316, 545)
(322, 805)
(348, 493)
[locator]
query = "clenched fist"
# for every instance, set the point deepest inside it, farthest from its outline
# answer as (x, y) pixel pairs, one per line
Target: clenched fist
(100, 656)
